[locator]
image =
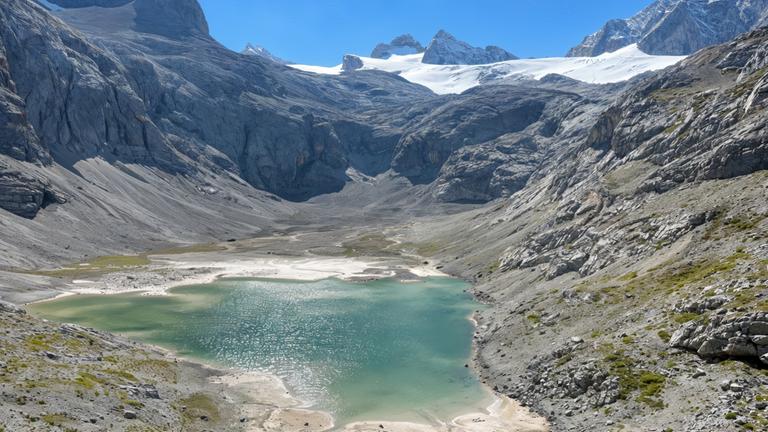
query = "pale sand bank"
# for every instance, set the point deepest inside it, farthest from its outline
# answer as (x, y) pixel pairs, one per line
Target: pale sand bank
(167, 272)
(504, 415)
(267, 406)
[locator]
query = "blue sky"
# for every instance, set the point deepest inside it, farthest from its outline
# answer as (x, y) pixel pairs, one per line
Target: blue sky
(320, 32)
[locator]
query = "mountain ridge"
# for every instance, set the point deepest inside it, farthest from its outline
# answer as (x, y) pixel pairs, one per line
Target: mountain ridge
(444, 49)
(676, 27)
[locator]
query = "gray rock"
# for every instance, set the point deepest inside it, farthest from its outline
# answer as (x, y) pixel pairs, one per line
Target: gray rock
(7, 307)
(732, 337)
(444, 49)
(676, 27)
(351, 63)
(725, 385)
(702, 305)
(401, 45)
(257, 50)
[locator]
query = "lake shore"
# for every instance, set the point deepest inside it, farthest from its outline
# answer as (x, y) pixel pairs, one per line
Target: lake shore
(255, 390)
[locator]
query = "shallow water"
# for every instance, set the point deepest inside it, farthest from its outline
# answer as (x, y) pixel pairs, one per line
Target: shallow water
(379, 350)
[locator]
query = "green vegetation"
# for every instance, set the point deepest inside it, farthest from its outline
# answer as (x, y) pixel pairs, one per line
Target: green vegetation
(629, 276)
(88, 380)
(647, 386)
(198, 405)
(374, 244)
(534, 318)
(54, 419)
(121, 374)
(493, 267)
(96, 266)
(731, 415)
(664, 336)
(564, 360)
(684, 317)
(745, 86)
(197, 248)
(426, 249)
(723, 227)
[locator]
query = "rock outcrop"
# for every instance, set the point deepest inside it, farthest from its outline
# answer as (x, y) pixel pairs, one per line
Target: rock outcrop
(742, 337)
(444, 49)
(692, 127)
(257, 50)
(401, 45)
(25, 195)
(351, 63)
(676, 27)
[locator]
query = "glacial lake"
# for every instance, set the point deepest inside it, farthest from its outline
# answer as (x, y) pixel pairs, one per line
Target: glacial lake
(378, 350)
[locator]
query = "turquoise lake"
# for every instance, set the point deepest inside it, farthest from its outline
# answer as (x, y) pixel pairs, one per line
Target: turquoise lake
(378, 350)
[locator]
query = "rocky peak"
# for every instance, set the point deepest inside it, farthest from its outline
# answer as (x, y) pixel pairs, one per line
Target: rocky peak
(169, 18)
(258, 50)
(351, 63)
(401, 45)
(676, 27)
(446, 49)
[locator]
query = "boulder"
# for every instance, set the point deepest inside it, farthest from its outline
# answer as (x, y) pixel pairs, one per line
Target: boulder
(11, 308)
(741, 337)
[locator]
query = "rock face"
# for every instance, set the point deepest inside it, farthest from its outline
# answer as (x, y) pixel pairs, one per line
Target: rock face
(401, 45)
(744, 337)
(351, 63)
(25, 195)
(482, 144)
(444, 49)
(257, 50)
(139, 99)
(169, 18)
(695, 128)
(18, 139)
(676, 27)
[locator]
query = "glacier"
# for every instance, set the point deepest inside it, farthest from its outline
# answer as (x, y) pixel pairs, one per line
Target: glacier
(613, 67)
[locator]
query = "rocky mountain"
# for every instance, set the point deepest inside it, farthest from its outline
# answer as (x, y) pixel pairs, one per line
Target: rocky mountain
(636, 253)
(444, 49)
(616, 231)
(676, 27)
(401, 45)
(258, 50)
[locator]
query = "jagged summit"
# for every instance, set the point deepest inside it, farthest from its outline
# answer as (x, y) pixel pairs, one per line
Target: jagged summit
(676, 27)
(401, 45)
(445, 49)
(258, 50)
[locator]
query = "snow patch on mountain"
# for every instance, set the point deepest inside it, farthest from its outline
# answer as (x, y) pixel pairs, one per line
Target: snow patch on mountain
(257, 50)
(617, 66)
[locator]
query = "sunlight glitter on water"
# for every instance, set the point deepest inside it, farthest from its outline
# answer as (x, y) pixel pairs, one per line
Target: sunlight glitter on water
(376, 350)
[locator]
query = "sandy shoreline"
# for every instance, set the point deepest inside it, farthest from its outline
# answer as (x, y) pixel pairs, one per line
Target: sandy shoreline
(167, 272)
(258, 390)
